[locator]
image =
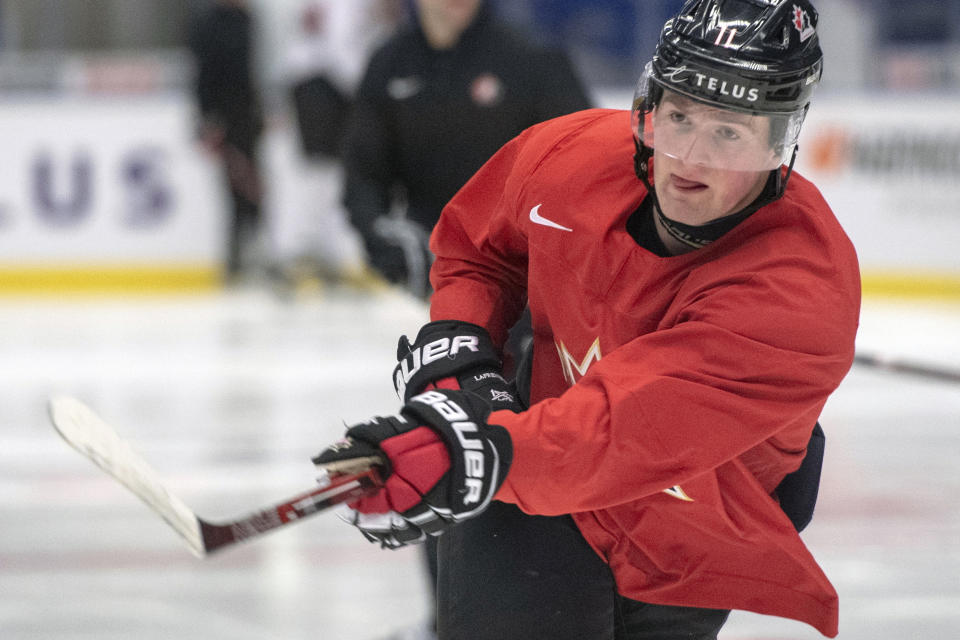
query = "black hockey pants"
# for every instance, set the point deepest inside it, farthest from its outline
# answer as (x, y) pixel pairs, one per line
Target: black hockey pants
(509, 576)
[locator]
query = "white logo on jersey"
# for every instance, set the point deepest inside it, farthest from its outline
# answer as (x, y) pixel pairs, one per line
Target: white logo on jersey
(486, 90)
(536, 218)
(404, 88)
(678, 493)
(571, 365)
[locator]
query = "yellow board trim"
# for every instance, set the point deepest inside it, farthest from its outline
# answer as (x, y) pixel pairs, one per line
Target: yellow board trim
(18, 279)
(913, 285)
(109, 279)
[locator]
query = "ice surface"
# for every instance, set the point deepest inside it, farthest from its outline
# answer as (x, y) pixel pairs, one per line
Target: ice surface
(228, 395)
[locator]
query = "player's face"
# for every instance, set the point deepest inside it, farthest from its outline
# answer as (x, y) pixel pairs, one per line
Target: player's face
(455, 15)
(708, 162)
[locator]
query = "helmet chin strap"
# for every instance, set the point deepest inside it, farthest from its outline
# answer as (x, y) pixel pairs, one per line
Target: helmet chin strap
(699, 236)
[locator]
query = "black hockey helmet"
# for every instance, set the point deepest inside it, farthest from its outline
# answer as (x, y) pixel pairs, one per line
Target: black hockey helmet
(758, 58)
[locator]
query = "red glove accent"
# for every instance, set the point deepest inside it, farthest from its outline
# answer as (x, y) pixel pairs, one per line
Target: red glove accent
(444, 383)
(418, 460)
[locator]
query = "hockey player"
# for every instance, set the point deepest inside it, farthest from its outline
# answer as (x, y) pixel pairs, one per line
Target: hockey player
(435, 103)
(694, 304)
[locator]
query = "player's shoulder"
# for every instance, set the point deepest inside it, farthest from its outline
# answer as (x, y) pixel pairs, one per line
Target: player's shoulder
(806, 224)
(582, 134)
(585, 144)
(804, 196)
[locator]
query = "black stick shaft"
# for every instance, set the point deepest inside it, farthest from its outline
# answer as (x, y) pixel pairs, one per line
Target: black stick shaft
(931, 372)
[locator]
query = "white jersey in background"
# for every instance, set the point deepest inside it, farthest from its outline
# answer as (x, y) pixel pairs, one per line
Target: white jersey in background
(331, 39)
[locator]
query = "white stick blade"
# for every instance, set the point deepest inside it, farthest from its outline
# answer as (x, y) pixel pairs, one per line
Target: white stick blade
(86, 432)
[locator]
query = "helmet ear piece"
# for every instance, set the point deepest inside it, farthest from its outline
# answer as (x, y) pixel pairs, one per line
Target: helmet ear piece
(641, 163)
(645, 99)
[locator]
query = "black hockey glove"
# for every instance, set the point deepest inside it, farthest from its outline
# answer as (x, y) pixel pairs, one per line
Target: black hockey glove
(450, 354)
(445, 465)
(399, 249)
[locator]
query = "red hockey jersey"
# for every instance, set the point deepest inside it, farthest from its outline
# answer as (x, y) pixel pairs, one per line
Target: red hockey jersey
(671, 394)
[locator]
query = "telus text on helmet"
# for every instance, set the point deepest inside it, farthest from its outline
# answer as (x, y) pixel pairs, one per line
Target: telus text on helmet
(712, 83)
(725, 88)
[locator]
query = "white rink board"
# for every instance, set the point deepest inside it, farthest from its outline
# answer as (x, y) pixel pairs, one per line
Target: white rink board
(121, 180)
(891, 173)
(106, 180)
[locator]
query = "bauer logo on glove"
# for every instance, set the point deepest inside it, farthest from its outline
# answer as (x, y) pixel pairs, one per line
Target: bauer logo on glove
(471, 445)
(443, 464)
(443, 349)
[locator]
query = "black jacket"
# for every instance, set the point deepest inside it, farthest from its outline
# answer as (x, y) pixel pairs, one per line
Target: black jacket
(425, 121)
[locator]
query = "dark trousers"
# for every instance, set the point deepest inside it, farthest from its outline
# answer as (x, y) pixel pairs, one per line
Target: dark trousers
(509, 576)
(243, 181)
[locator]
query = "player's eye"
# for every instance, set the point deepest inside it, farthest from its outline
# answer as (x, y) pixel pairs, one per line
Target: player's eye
(728, 134)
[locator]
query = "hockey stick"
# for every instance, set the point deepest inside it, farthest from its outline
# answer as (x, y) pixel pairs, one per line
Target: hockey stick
(931, 372)
(86, 432)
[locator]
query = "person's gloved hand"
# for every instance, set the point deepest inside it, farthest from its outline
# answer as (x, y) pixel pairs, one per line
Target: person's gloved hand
(451, 354)
(445, 463)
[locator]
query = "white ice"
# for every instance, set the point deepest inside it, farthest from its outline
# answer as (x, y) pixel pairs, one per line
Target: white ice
(229, 394)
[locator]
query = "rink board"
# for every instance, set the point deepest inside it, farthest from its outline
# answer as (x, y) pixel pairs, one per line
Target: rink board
(114, 194)
(107, 193)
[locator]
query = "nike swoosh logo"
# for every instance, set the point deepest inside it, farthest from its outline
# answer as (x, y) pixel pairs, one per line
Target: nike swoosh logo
(404, 88)
(536, 218)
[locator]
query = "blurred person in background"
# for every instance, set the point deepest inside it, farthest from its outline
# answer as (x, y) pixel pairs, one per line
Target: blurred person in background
(436, 101)
(328, 45)
(231, 117)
